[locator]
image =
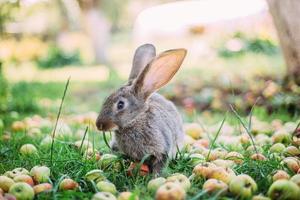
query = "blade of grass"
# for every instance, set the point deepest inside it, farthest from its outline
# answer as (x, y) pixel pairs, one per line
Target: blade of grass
(105, 140)
(251, 113)
(245, 127)
(85, 132)
(215, 138)
(57, 118)
(201, 193)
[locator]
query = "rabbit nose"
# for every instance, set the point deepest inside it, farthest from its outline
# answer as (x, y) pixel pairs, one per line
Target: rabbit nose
(104, 125)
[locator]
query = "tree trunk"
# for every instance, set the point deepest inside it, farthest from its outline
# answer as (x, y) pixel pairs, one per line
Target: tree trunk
(286, 17)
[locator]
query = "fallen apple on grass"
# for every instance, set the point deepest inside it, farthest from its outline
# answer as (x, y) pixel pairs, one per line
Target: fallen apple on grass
(16, 172)
(242, 186)
(296, 179)
(28, 149)
(280, 174)
(22, 191)
(6, 183)
(95, 175)
(284, 190)
(105, 186)
(43, 187)
(68, 184)
(104, 196)
(24, 178)
(143, 169)
(40, 174)
(170, 191)
(215, 186)
(127, 196)
(180, 179)
(154, 184)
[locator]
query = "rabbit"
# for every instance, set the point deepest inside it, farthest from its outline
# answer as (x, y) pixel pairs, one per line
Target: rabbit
(146, 123)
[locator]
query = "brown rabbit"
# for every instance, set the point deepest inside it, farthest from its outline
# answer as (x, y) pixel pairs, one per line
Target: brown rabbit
(146, 123)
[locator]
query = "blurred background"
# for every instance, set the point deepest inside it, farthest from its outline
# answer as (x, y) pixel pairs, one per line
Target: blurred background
(234, 57)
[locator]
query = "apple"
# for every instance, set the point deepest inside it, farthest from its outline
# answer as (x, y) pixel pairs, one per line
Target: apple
(284, 190)
(18, 171)
(181, 179)
(1, 192)
(201, 143)
(127, 196)
(262, 139)
(194, 130)
(18, 126)
(245, 139)
(242, 186)
(196, 158)
(260, 197)
(222, 174)
(170, 191)
(68, 184)
(95, 175)
(281, 136)
(292, 151)
(105, 186)
(46, 142)
(277, 148)
(154, 184)
(91, 154)
(6, 183)
(28, 149)
(291, 163)
(215, 154)
(103, 196)
(43, 187)
(109, 160)
(40, 174)
(215, 186)
(203, 170)
(280, 174)
(34, 132)
(85, 144)
(22, 191)
(235, 157)
(144, 169)
(24, 178)
(296, 179)
(258, 156)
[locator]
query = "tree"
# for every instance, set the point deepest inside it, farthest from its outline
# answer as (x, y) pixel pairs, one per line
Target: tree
(285, 15)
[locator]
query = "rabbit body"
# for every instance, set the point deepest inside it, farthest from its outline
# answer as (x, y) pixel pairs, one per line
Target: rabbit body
(147, 123)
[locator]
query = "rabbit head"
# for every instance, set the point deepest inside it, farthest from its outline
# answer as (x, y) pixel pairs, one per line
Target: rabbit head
(148, 74)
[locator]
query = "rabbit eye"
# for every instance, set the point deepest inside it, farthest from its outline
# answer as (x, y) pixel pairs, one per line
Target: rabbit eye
(120, 105)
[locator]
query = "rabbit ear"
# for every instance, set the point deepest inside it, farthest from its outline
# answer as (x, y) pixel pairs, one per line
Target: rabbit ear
(159, 72)
(143, 55)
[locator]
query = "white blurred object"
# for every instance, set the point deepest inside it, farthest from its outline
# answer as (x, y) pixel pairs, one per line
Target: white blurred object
(177, 18)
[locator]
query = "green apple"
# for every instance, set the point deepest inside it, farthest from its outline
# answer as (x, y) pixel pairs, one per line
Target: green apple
(223, 163)
(22, 191)
(277, 148)
(28, 149)
(105, 186)
(103, 196)
(291, 163)
(95, 175)
(281, 136)
(194, 130)
(170, 191)
(46, 142)
(280, 174)
(154, 184)
(203, 170)
(6, 183)
(68, 184)
(40, 174)
(196, 158)
(284, 190)
(242, 186)
(43, 187)
(109, 160)
(296, 179)
(292, 151)
(127, 196)
(222, 174)
(24, 178)
(16, 172)
(215, 186)
(181, 179)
